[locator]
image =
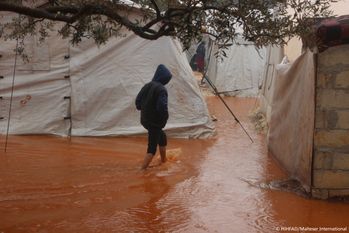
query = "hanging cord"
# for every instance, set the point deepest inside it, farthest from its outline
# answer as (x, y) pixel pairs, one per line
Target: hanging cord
(216, 92)
(11, 98)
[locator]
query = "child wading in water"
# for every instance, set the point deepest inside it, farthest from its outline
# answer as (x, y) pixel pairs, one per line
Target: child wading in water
(152, 101)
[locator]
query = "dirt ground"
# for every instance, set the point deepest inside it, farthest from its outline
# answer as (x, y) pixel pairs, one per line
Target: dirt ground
(90, 184)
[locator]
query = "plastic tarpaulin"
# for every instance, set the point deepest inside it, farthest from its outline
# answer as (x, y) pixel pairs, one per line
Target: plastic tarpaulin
(291, 127)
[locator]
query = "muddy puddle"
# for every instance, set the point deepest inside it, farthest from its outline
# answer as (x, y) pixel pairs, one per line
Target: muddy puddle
(53, 184)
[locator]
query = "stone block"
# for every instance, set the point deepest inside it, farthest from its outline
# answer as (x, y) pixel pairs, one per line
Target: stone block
(332, 98)
(320, 119)
(322, 160)
(331, 119)
(334, 55)
(343, 119)
(324, 80)
(335, 139)
(331, 179)
(319, 193)
(331, 161)
(338, 192)
(342, 80)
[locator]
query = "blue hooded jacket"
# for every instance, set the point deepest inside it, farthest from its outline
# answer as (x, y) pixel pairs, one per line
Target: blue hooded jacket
(152, 99)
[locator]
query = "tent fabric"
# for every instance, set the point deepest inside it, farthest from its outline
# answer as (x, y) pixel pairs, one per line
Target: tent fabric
(116, 72)
(38, 105)
(291, 127)
(240, 72)
(96, 87)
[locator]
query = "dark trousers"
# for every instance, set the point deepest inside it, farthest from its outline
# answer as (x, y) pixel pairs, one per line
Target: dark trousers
(156, 136)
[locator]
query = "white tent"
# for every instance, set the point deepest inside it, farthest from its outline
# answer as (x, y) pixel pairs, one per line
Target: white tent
(240, 73)
(90, 91)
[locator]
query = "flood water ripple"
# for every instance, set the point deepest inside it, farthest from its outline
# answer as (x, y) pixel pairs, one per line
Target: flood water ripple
(222, 184)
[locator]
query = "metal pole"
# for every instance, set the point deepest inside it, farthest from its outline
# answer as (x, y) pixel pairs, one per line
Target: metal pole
(226, 105)
(11, 98)
(216, 92)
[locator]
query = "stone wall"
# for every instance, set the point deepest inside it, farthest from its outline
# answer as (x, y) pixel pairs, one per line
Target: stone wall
(331, 138)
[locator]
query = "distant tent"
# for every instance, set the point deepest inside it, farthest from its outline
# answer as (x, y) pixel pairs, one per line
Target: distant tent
(240, 73)
(90, 91)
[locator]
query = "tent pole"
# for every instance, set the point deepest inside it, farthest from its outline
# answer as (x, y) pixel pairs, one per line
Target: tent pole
(217, 93)
(226, 105)
(11, 98)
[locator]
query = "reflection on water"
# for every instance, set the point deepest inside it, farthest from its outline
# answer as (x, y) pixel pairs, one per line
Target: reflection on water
(50, 184)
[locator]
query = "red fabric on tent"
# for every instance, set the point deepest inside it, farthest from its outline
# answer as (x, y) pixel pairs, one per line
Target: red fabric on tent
(334, 31)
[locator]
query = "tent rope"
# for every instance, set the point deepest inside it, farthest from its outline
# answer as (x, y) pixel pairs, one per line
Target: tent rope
(11, 98)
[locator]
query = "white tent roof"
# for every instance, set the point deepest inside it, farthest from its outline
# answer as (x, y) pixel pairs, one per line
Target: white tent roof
(97, 88)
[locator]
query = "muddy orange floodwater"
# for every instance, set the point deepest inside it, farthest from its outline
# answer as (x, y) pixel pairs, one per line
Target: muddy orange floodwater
(53, 184)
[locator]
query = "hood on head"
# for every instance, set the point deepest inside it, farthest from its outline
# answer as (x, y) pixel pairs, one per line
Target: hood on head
(162, 75)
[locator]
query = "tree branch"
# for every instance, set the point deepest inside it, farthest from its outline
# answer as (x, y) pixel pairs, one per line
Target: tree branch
(156, 8)
(33, 12)
(183, 19)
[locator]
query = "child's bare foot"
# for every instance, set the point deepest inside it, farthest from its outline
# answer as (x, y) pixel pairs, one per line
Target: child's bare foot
(147, 160)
